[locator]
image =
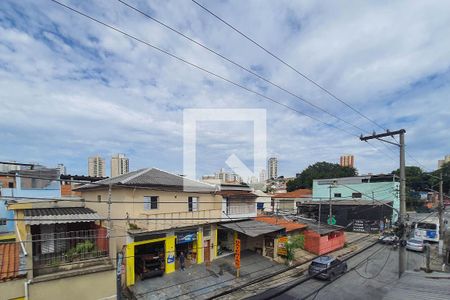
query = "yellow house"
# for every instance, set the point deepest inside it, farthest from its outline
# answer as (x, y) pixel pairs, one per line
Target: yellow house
(63, 248)
(154, 216)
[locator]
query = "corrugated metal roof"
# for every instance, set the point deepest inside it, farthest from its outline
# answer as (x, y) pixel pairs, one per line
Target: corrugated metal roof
(252, 228)
(287, 224)
(153, 178)
(10, 261)
(38, 216)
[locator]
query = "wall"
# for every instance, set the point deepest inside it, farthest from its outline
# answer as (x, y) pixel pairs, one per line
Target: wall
(87, 286)
(12, 289)
(319, 245)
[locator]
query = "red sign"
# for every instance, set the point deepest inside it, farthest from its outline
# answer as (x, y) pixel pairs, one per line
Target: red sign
(237, 254)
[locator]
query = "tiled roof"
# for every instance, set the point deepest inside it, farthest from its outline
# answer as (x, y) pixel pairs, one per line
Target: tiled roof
(152, 178)
(300, 193)
(10, 261)
(237, 194)
(287, 224)
(252, 228)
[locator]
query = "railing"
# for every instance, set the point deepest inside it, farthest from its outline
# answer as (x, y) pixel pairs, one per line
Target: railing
(161, 221)
(241, 209)
(55, 251)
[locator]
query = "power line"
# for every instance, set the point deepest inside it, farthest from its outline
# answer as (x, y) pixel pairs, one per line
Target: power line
(287, 64)
(327, 91)
(203, 69)
(238, 65)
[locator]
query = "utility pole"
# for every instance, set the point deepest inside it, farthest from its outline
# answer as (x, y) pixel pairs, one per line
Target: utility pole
(330, 207)
(441, 213)
(402, 215)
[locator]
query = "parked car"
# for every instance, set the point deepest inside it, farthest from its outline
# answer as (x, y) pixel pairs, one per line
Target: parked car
(415, 244)
(327, 267)
(149, 265)
(388, 238)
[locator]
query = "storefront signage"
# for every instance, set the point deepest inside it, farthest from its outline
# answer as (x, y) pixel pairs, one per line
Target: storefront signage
(186, 237)
(366, 226)
(281, 249)
(237, 253)
(170, 259)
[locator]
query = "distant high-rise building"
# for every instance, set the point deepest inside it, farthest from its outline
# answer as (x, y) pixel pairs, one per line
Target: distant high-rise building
(96, 166)
(272, 168)
(443, 161)
(119, 165)
(262, 176)
(62, 169)
(347, 161)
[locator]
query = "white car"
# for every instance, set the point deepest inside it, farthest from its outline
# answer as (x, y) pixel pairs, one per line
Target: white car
(389, 239)
(415, 244)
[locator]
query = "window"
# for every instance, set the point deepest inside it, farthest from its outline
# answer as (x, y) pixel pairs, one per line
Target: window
(356, 195)
(99, 198)
(207, 230)
(193, 203)
(2, 222)
(337, 195)
(11, 185)
(150, 202)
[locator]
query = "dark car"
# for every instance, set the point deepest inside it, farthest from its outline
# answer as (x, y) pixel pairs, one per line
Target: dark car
(149, 265)
(327, 267)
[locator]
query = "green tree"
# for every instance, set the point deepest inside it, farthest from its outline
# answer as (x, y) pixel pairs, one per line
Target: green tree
(319, 170)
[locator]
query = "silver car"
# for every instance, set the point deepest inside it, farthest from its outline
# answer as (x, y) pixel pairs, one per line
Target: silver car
(415, 244)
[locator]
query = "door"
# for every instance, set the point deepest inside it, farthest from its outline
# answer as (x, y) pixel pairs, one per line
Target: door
(207, 251)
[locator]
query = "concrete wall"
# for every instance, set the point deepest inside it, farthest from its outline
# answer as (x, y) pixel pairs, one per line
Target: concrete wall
(87, 286)
(12, 289)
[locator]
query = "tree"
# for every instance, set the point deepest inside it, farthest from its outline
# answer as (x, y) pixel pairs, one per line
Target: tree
(319, 170)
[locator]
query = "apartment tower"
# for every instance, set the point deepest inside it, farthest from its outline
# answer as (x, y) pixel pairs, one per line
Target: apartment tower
(119, 165)
(96, 166)
(272, 168)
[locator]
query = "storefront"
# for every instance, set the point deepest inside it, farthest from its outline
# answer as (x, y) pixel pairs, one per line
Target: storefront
(150, 250)
(255, 236)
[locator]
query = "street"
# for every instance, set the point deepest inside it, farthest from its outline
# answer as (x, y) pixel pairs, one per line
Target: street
(375, 278)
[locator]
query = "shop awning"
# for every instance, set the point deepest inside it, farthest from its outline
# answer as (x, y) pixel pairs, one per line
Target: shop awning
(252, 228)
(38, 216)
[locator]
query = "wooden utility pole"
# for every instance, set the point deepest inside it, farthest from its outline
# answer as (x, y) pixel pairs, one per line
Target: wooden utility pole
(441, 214)
(402, 214)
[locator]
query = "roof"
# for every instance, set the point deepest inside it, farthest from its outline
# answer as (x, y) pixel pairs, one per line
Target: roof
(10, 261)
(348, 202)
(314, 225)
(38, 216)
(300, 193)
(287, 224)
(252, 228)
(152, 177)
(237, 194)
(357, 179)
(260, 193)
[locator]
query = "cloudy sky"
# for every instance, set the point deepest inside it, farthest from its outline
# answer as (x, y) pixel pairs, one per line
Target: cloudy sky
(71, 88)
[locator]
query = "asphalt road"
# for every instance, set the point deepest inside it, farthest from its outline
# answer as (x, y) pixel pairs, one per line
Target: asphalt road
(368, 281)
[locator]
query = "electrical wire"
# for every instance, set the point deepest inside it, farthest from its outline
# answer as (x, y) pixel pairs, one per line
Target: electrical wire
(204, 69)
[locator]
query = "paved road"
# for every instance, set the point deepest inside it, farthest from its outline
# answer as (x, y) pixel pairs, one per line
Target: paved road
(372, 280)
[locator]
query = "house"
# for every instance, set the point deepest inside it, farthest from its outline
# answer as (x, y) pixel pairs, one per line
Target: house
(160, 214)
(263, 202)
(70, 182)
(239, 201)
(372, 190)
(24, 184)
(288, 201)
(65, 248)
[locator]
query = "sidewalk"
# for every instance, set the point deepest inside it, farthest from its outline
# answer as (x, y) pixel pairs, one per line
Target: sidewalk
(198, 280)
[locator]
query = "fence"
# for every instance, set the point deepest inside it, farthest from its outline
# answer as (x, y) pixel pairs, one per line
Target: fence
(51, 250)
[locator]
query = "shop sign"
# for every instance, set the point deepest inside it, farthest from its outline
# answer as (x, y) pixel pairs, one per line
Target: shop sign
(186, 237)
(237, 254)
(170, 259)
(282, 249)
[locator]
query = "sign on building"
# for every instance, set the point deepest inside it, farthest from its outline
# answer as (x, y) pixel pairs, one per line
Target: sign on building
(282, 245)
(186, 237)
(237, 254)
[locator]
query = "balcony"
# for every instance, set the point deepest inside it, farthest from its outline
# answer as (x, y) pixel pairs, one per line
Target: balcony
(64, 251)
(242, 210)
